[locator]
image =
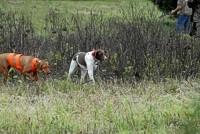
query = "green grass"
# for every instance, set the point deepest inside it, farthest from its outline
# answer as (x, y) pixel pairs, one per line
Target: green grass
(38, 9)
(146, 107)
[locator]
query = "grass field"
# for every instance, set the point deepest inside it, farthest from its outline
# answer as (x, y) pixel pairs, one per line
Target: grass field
(38, 9)
(62, 107)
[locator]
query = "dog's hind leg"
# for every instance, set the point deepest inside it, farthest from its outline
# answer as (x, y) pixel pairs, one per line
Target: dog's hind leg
(83, 74)
(72, 68)
(4, 72)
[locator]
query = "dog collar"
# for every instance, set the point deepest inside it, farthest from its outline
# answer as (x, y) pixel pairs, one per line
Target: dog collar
(33, 62)
(96, 62)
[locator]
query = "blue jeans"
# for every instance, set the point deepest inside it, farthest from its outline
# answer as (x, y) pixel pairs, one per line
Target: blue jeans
(183, 20)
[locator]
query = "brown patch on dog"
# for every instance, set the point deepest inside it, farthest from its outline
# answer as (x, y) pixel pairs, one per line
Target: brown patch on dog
(81, 58)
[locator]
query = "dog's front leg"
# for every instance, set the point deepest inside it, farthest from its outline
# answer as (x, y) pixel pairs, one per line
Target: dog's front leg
(36, 76)
(90, 73)
(29, 76)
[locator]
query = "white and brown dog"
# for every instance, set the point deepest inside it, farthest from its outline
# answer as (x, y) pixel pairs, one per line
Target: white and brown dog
(88, 62)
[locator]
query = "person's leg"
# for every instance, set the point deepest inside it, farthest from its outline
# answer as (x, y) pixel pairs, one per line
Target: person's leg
(198, 36)
(186, 23)
(198, 29)
(179, 23)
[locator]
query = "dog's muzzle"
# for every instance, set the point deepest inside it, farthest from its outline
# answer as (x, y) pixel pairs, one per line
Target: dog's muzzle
(46, 72)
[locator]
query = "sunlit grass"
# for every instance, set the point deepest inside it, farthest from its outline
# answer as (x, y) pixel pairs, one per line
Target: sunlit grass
(38, 9)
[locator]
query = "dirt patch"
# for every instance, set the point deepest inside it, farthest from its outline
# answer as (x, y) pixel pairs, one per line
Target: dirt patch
(14, 2)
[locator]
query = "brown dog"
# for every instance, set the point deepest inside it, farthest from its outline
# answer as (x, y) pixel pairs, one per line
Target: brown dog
(25, 64)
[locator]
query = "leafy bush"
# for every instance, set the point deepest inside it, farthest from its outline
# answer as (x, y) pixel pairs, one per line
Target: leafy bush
(166, 5)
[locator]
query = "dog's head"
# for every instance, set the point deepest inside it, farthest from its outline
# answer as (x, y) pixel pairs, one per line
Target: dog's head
(99, 54)
(43, 65)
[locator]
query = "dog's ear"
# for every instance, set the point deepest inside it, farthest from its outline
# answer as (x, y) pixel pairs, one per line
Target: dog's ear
(38, 61)
(38, 64)
(94, 52)
(105, 51)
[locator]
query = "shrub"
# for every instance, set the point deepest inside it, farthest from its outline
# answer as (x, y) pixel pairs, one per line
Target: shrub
(166, 5)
